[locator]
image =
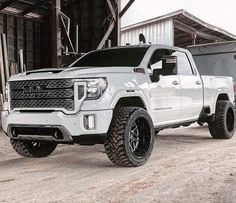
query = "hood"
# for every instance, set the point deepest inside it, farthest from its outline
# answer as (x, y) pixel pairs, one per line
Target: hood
(75, 72)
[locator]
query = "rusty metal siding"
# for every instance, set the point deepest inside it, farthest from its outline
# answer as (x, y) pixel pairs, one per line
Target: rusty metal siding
(157, 33)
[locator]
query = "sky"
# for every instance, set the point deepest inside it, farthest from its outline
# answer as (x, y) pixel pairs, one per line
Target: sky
(219, 13)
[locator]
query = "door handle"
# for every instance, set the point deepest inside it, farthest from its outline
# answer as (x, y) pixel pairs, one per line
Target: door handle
(175, 83)
(198, 83)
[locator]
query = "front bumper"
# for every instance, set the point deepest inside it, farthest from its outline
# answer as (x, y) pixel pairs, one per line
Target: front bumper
(73, 125)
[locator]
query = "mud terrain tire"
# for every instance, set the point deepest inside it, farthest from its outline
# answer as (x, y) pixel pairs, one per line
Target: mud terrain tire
(223, 126)
(130, 138)
(33, 149)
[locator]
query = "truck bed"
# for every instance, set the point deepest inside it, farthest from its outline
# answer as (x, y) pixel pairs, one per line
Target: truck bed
(214, 84)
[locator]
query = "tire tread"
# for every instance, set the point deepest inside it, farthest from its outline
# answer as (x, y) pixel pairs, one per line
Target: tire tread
(115, 145)
(217, 127)
(25, 150)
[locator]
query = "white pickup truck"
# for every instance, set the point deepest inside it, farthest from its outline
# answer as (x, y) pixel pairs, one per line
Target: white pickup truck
(119, 97)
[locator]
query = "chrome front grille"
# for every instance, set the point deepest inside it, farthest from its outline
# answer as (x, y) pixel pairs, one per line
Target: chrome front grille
(56, 94)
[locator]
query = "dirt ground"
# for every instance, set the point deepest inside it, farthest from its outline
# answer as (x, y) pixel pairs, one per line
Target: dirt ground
(186, 166)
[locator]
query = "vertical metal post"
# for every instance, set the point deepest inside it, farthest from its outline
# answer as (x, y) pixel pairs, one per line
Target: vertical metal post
(5, 55)
(109, 43)
(21, 61)
(56, 45)
(118, 21)
(2, 73)
(194, 38)
(77, 39)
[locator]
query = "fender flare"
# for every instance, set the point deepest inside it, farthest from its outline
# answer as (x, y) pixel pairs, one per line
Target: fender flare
(219, 92)
(136, 93)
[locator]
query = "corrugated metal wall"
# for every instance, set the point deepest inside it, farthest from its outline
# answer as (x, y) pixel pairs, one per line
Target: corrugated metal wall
(157, 33)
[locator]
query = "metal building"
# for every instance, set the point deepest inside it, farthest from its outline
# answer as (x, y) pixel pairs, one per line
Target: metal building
(51, 31)
(179, 28)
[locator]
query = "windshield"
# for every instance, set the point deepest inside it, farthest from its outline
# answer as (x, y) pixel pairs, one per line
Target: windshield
(131, 57)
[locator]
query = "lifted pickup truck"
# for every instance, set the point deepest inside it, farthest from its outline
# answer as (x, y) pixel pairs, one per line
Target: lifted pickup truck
(118, 97)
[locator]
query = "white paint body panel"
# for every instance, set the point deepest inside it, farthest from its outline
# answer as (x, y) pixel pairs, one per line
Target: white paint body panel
(214, 86)
(191, 95)
(165, 100)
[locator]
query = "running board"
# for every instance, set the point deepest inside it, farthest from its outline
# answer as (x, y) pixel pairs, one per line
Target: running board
(175, 125)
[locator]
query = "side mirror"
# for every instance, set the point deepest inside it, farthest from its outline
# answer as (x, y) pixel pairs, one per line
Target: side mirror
(150, 71)
(157, 75)
(169, 62)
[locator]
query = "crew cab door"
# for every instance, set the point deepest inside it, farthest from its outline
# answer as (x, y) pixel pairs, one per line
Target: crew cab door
(165, 88)
(191, 90)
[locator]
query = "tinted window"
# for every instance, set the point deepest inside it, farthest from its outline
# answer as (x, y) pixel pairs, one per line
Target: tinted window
(159, 64)
(157, 57)
(184, 67)
(113, 57)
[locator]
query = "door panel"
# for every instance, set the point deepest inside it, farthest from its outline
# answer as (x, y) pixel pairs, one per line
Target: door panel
(192, 96)
(191, 87)
(166, 99)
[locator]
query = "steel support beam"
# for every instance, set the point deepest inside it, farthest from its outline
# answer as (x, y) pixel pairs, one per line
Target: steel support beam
(36, 6)
(56, 35)
(6, 4)
(111, 9)
(68, 2)
(66, 31)
(183, 27)
(111, 26)
(127, 6)
(118, 22)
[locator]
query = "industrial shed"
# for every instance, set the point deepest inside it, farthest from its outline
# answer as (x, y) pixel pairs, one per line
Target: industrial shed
(179, 28)
(48, 31)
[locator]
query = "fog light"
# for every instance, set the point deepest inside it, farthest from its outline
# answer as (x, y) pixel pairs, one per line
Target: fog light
(89, 122)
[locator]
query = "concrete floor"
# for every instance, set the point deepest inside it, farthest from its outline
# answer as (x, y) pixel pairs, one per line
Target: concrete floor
(186, 166)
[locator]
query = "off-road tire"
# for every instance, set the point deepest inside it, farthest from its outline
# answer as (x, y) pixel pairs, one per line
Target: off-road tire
(117, 144)
(223, 126)
(33, 149)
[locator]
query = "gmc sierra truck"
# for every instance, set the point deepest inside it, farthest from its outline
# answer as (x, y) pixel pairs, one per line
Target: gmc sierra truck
(119, 97)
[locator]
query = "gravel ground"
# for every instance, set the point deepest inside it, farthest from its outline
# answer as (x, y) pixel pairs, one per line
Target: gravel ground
(186, 166)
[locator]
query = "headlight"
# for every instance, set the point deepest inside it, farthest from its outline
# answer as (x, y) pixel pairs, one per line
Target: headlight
(95, 88)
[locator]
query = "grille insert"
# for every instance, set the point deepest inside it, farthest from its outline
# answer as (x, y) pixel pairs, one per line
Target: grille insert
(56, 94)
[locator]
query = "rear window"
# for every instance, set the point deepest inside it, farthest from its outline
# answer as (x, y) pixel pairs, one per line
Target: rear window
(131, 57)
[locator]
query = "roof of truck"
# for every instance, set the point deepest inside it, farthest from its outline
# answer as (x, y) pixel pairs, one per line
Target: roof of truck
(145, 46)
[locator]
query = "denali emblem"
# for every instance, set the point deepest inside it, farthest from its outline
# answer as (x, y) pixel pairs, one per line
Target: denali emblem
(33, 89)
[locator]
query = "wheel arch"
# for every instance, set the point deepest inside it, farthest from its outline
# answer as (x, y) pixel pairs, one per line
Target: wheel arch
(132, 99)
(221, 96)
